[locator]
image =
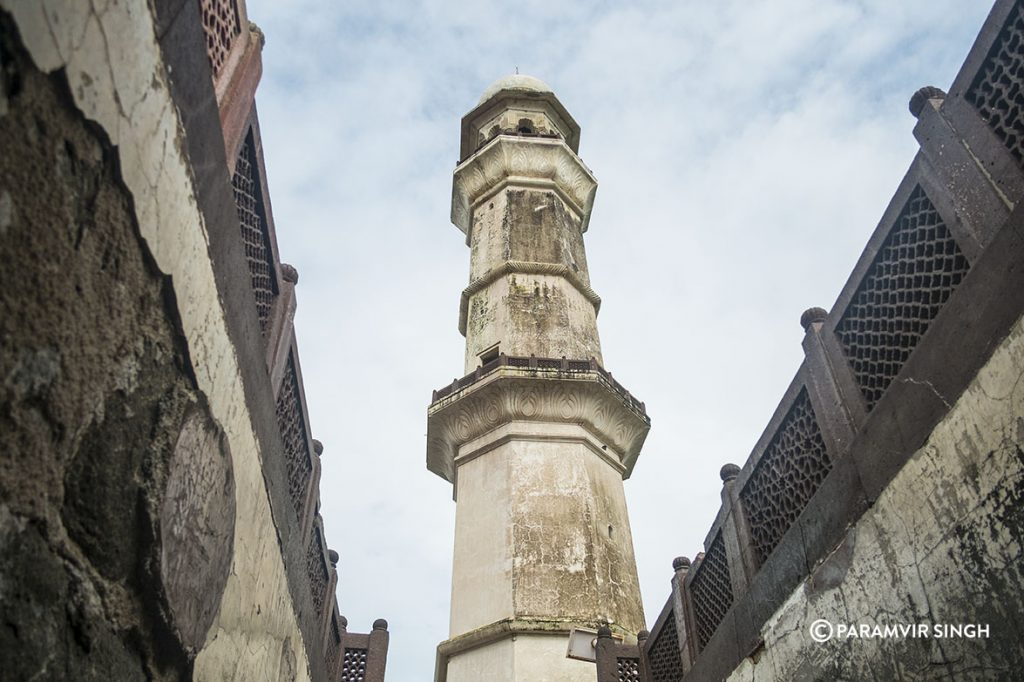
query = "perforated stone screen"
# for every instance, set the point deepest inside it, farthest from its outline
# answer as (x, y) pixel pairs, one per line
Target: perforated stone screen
(293, 433)
(252, 220)
(663, 661)
(334, 652)
(221, 26)
(628, 669)
(316, 567)
(916, 270)
(998, 89)
(353, 667)
(711, 591)
(789, 472)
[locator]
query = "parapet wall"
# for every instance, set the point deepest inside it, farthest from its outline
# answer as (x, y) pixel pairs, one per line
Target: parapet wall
(886, 488)
(159, 483)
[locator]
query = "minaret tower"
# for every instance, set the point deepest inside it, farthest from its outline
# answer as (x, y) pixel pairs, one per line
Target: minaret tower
(538, 437)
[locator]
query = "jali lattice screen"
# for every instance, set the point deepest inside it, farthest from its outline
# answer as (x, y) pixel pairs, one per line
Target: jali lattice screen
(998, 89)
(221, 26)
(711, 591)
(789, 472)
(293, 432)
(915, 271)
(252, 220)
(663, 661)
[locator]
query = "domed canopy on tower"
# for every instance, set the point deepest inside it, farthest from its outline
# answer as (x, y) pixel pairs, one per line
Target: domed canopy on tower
(517, 104)
(517, 82)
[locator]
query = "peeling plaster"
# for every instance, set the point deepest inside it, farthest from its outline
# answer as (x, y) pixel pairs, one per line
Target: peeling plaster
(115, 71)
(942, 544)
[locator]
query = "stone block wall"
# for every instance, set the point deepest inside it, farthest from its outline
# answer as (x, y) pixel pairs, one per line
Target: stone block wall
(159, 483)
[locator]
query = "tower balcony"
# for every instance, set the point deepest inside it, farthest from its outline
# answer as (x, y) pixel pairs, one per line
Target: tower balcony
(536, 390)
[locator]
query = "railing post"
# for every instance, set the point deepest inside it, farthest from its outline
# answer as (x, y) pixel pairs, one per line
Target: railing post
(832, 388)
(330, 599)
(739, 547)
(960, 186)
(683, 610)
(377, 651)
(281, 325)
(605, 657)
(641, 649)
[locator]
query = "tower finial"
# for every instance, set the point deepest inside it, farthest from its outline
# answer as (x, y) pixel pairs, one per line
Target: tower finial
(517, 69)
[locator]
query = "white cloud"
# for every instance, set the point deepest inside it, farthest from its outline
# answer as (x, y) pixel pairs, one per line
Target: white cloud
(745, 151)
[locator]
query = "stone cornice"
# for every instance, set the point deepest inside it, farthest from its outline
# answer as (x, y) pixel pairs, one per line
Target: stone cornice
(550, 432)
(521, 394)
(510, 628)
(522, 162)
(526, 268)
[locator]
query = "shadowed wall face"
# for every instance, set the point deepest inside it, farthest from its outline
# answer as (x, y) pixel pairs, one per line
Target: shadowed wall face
(98, 412)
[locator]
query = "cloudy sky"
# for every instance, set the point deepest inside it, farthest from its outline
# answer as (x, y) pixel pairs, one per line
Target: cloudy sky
(745, 151)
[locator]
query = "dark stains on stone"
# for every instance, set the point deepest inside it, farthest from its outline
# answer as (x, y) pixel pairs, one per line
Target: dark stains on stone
(95, 386)
(542, 230)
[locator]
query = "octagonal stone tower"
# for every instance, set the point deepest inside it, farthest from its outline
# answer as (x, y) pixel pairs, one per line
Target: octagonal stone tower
(537, 437)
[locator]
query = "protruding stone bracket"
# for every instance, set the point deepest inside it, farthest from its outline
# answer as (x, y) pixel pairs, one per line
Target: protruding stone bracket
(522, 162)
(512, 394)
(525, 268)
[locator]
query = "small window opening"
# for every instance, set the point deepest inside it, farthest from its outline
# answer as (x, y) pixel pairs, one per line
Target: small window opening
(489, 355)
(525, 126)
(609, 530)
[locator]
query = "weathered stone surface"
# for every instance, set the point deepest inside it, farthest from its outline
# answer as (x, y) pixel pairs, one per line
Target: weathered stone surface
(60, 383)
(535, 162)
(942, 544)
(94, 389)
(198, 523)
(513, 104)
(513, 394)
(530, 288)
(536, 448)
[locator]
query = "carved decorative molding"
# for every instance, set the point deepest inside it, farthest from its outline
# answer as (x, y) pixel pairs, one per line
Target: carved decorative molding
(522, 162)
(518, 394)
(525, 268)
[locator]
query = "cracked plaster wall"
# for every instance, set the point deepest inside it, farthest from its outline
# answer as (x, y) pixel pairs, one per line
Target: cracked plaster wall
(109, 55)
(942, 544)
(529, 313)
(542, 534)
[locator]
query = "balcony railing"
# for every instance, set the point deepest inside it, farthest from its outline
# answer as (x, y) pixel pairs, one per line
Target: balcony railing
(541, 366)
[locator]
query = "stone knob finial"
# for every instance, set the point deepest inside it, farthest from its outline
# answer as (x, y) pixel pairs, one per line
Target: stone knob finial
(333, 557)
(680, 563)
(343, 622)
(812, 315)
(604, 632)
(289, 273)
(318, 447)
(642, 635)
(380, 624)
(919, 98)
(728, 472)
